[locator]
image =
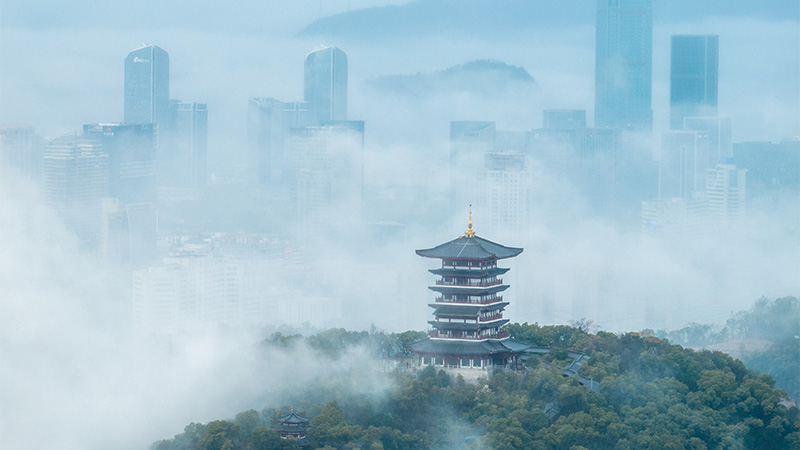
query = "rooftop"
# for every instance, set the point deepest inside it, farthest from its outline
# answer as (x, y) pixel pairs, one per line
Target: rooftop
(470, 247)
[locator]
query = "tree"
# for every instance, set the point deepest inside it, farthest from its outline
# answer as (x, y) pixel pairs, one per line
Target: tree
(264, 438)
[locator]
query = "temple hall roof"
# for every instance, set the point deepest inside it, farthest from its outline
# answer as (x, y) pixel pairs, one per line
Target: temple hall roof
(446, 347)
(470, 247)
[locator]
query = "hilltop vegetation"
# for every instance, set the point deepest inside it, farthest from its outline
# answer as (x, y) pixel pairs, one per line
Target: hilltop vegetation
(653, 395)
(776, 322)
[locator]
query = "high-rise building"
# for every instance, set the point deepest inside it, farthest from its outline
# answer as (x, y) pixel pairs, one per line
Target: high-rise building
(715, 135)
(772, 168)
(564, 119)
(584, 158)
(182, 159)
(147, 85)
(326, 175)
(22, 148)
(75, 182)
(131, 150)
(694, 70)
(129, 232)
(470, 142)
(726, 192)
(325, 84)
(623, 64)
(675, 219)
(268, 124)
(504, 193)
(677, 165)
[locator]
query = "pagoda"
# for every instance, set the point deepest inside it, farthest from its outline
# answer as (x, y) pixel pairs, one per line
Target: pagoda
(293, 425)
(468, 330)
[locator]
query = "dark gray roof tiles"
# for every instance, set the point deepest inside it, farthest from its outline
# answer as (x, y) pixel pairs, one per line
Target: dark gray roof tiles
(473, 247)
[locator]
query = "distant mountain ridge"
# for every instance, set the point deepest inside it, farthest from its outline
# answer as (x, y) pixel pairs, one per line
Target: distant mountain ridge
(483, 75)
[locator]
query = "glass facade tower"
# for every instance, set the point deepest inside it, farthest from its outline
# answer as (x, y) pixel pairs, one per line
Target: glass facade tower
(694, 72)
(325, 86)
(147, 85)
(624, 64)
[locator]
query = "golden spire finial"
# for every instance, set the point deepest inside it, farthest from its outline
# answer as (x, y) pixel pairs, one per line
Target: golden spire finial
(469, 232)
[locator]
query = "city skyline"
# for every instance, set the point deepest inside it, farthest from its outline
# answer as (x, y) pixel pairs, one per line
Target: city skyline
(125, 302)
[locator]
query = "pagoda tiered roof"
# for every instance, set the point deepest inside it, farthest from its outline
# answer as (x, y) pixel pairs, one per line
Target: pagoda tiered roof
(467, 289)
(470, 247)
(448, 272)
(465, 310)
(469, 326)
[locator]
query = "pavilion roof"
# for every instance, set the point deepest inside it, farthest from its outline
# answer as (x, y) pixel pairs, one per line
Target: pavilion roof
(470, 247)
(292, 418)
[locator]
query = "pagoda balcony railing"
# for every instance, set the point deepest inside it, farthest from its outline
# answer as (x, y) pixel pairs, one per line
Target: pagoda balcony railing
(491, 318)
(466, 267)
(499, 335)
(470, 283)
(485, 301)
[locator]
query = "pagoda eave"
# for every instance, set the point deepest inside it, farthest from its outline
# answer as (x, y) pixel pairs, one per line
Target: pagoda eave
(468, 290)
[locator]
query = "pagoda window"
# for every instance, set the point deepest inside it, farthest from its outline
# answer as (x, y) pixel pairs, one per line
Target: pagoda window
(464, 363)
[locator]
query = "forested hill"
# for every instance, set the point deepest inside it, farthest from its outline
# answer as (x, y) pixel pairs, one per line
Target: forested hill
(653, 395)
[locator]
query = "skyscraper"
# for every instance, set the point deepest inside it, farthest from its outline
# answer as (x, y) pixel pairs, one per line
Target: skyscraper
(327, 176)
(183, 164)
(75, 180)
(694, 70)
(147, 85)
(131, 153)
(504, 193)
(268, 124)
(624, 64)
(677, 166)
(470, 142)
(326, 83)
(726, 192)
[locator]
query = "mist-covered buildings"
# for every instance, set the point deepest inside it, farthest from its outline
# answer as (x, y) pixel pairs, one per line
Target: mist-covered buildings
(227, 280)
(326, 172)
(269, 122)
(147, 85)
(21, 148)
(624, 64)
